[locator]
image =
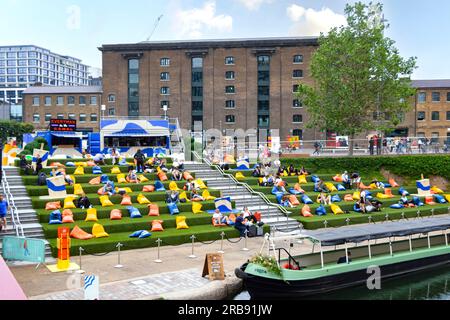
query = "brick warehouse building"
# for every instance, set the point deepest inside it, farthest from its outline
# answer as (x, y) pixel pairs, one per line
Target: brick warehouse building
(223, 84)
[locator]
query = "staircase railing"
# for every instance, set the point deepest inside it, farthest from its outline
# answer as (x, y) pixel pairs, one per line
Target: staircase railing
(14, 212)
(245, 185)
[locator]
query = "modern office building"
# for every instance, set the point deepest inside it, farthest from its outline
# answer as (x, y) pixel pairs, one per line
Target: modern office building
(23, 66)
(223, 84)
(5, 110)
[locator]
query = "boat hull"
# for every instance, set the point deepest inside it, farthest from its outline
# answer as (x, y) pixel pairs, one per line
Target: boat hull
(261, 288)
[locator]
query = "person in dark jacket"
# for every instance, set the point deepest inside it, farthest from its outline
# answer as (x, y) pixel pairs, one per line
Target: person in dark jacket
(139, 158)
(240, 225)
(25, 165)
(38, 164)
(83, 202)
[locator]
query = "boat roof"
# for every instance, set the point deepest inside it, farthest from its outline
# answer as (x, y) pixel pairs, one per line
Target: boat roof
(355, 234)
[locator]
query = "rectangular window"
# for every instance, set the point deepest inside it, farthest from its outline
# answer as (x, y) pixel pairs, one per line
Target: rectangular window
(133, 78)
(2, 71)
(22, 70)
(422, 97)
(82, 100)
(93, 100)
(22, 54)
(48, 117)
(434, 137)
(22, 63)
(297, 118)
(197, 76)
(60, 116)
(165, 76)
(11, 70)
(11, 79)
(36, 101)
(32, 62)
(165, 103)
(436, 96)
(22, 78)
(111, 111)
(197, 106)
(421, 116)
(263, 105)
(263, 121)
(36, 118)
(297, 74)
(230, 119)
(48, 101)
(197, 63)
(230, 75)
(297, 103)
(72, 116)
(11, 63)
(263, 61)
(133, 64)
(59, 100)
(295, 88)
(82, 117)
(448, 96)
(230, 89)
(71, 100)
(435, 115)
(112, 98)
(164, 62)
(230, 104)
(197, 91)
(94, 117)
(298, 58)
(229, 61)
(263, 76)
(448, 115)
(165, 90)
(263, 90)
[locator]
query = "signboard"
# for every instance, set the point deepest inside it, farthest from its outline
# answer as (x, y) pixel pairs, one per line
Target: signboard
(214, 267)
(56, 187)
(63, 125)
(91, 287)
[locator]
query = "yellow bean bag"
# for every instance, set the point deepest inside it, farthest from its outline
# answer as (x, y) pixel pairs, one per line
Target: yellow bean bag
(72, 178)
(373, 186)
(184, 196)
(142, 199)
(115, 170)
(104, 200)
(240, 176)
(121, 178)
(200, 184)
(142, 178)
(197, 207)
(447, 197)
(436, 190)
(173, 186)
(207, 196)
(78, 189)
(330, 186)
(126, 189)
(98, 231)
(302, 179)
(336, 209)
(356, 195)
(79, 171)
(383, 196)
(81, 164)
(68, 203)
(91, 215)
(181, 223)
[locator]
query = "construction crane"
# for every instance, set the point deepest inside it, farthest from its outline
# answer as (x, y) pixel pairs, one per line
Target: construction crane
(154, 28)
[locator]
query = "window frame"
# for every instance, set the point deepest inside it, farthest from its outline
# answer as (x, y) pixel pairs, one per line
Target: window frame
(232, 116)
(45, 101)
(164, 59)
(228, 63)
(297, 115)
(433, 95)
(164, 94)
(227, 87)
(233, 73)
(293, 74)
(68, 100)
(36, 116)
(424, 115)
(298, 55)
(38, 99)
(438, 115)
(421, 94)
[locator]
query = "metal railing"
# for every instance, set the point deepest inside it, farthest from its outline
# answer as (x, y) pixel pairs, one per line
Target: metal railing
(246, 186)
(14, 212)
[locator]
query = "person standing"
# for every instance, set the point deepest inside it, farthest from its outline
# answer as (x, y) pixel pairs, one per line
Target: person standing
(115, 156)
(38, 164)
(139, 159)
(3, 213)
(371, 145)
(379, 142)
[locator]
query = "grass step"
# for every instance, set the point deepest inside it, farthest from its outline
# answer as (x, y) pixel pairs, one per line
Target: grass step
(107, 161)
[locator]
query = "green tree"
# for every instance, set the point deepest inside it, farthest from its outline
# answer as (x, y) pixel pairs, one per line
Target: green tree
(14, 129)
(358, 74)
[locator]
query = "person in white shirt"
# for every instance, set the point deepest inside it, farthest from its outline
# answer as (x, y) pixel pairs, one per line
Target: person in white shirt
(219, 218)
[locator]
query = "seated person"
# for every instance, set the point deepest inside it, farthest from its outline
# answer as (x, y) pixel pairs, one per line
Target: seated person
(83, 202)
(195, 196)
(343, 259)
(346, 180)
(320, 186)
(324, 199)
(292, 171)
(281, 171)
(219, 218)
(240, 225)
(99, 159)
(56, 173)
(270, 180)
(279, 182)
(109, 188)
(156, 161)
(267, 170)
(25, 166)
(249, 216)
(285, 202)
(303, 171)
(224, 166)
(377, 205)
(173, 197)
(148, 168)
(380, 185)
(189, 186)
(257, 172)
(132, 175)
(68, 179)
(355, 181)
(163, 166)
(405, 201)
(177, 175)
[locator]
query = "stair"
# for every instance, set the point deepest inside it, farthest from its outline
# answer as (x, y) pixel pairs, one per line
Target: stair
(27, 215)
(242, 197)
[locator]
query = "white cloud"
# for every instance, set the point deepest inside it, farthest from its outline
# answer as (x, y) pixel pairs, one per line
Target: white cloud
(254, 4)
(310, 22)
(193, 23)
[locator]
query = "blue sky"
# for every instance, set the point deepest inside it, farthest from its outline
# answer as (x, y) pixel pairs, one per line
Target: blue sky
(78, 27)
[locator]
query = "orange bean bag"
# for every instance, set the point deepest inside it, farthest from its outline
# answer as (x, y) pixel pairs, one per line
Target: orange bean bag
(148, 189)
(298, 188)
(348, 198)
(116, 214)
(363, 186)
(187, 176)
(162, 176)
(306, 211)
(338, 178)
(232, 217)
(393, 183)
(95, 181)
(294, 201)
(78, 233)
(153, 210)
(430, 201)
(126, 201)
(257, 216)
(91, 163)
(157, 225)
(53, 205)
(100, 191)
(67, 216)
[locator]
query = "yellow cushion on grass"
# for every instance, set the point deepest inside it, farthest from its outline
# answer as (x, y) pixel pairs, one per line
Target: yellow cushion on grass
(200, 184)
(91, 215)
(436, 190)
(373, 186)
(80, 164)
(356, 195)
(173, 186)
(98, 231)
(330, 186)
(104, 200)
(181, 223)
(302, 179)
(79, 171)
(115, 170)
(121, 178)
(126, 189)
(240, 176)
(383, 196)
(77, 189)
(68, 203)
(184, 196)
(336, 209)
(142, 178)
(207, 196)
(197, 207)
(447, 197)
(142, 199)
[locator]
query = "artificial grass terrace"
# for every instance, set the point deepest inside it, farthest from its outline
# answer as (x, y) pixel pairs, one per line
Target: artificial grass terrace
(169, 161)
(88, 170)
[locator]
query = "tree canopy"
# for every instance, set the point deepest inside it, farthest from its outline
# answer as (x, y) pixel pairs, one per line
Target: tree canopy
(361, 81)
(14, 129)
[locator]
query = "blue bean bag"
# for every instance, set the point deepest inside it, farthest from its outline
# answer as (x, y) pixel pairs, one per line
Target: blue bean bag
(401, 190)
(336, 198)
(279, 198)
(145, 234)
(370, 198)
(134, 212)
(159, 186)
(275, 191)
(55, 217)
(356, 209)
(123, 162)
(104, 179)
(294, 192)
(321, 211)
(340, 187)
(173, 209)
(306, 199)
(136, 234)
(397, 206)
(387, 185)
(439, 199)
(97, 170)
(315, 179)
(417, 202)
(70, 164)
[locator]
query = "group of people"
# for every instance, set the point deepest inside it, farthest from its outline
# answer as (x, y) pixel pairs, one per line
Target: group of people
(269, 169)
(244, 220)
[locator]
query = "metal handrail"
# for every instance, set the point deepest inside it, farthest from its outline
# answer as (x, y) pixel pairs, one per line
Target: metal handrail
(14, 212)
(246, 186)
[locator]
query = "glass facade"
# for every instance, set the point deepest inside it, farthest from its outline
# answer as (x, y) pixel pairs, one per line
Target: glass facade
(197, 90)
(263, 91)
(133, 87)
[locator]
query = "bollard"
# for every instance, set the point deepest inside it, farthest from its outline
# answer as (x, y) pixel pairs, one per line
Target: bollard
(370, 219)
(81, 271)
(158, 260)
(347, 221)
(118, 266)
(325, 223)
(418, 214)
(245, 242)
(432, 212)
(387, 217)
(193, 256)
(221, 243)
(403, 215)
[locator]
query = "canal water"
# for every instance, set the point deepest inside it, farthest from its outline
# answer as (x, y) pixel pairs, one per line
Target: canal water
(429, 285)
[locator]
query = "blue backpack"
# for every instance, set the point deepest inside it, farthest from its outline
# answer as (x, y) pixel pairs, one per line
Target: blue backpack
(439, 198)
(104, 178)
(397, 206)
(417, 202)
(321, 211)
(401, 190)
(357, 209)
(315, 179)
